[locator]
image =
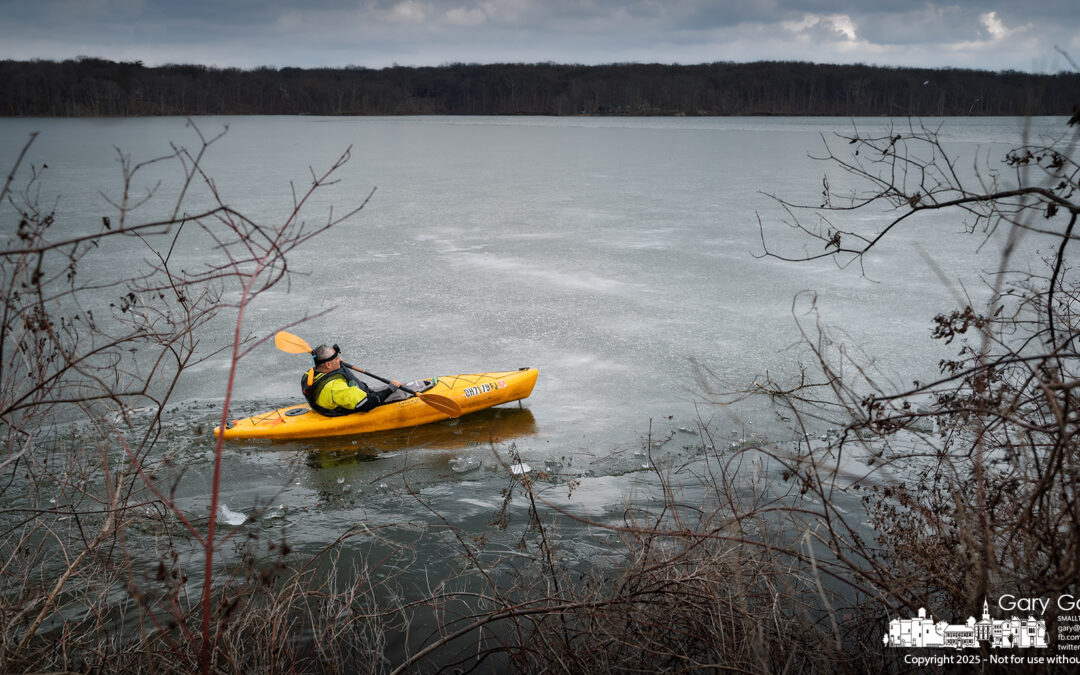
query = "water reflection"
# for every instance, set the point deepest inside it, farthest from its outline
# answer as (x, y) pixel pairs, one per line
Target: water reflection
(355, 471)
(481, 429)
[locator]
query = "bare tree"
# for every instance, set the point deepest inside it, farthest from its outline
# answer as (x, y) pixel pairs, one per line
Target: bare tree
(972, 483)
(90, 353)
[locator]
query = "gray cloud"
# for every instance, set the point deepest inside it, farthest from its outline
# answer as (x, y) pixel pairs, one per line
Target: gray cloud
(247, 33)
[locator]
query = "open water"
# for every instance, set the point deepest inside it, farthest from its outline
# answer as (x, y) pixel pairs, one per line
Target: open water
(620, 256)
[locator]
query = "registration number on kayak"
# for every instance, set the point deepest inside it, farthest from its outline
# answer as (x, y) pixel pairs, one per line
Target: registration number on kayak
(484, 388)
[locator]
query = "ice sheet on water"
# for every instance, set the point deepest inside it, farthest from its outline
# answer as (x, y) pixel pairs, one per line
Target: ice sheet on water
(464, 464)
(229, 516)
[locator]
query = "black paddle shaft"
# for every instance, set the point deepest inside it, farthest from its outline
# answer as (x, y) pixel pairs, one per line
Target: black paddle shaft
(380, 379)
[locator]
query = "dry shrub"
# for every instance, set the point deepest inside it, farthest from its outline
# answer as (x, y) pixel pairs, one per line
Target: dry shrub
(971, 480)
(90, 353)
(715, 590)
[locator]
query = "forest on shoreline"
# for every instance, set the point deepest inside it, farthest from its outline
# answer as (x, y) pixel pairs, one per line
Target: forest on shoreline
(101, 88)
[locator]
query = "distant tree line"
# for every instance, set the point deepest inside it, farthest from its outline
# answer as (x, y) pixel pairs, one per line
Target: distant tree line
(97, 87)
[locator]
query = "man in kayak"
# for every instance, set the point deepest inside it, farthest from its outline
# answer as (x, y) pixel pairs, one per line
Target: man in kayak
(331, 389)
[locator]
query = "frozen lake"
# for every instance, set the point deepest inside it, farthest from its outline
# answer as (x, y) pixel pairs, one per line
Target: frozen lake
(619, 256)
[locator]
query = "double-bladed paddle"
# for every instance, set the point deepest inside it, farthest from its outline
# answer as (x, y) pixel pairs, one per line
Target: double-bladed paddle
(292, 344)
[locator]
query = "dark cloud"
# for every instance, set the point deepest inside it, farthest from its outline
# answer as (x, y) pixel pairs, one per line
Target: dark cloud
(992, 34)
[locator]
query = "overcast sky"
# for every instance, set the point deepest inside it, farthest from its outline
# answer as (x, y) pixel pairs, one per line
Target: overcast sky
(1020, 35)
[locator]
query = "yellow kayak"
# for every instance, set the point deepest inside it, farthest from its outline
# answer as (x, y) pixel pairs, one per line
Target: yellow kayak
(473, 392)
